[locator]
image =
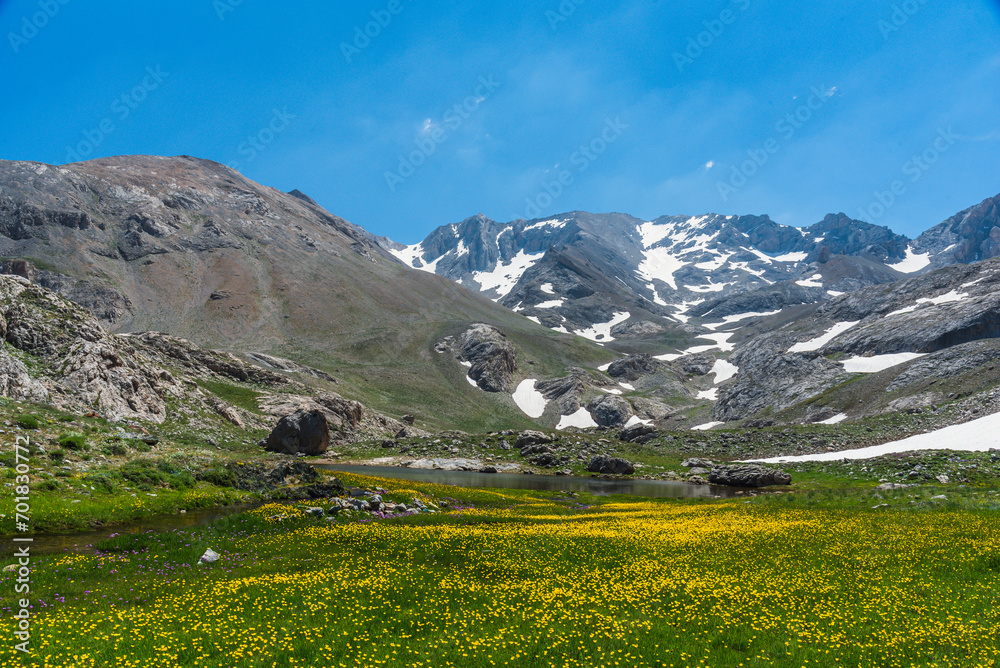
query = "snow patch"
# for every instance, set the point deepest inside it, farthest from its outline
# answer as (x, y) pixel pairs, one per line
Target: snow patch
(555, 303)
(953, 296)
(582, 419)
(607, 391)
(729, 319)
(710, 395)
(792, 257)
(877, 363)
(912, 262)
(472, 382)
(811, 282)
(627, 386)
(547, 289)
(660, 264)
(713, 265)
(976, 436)
(531, 402)
(555, 224)
(605, 367)
(820, 341)
(503, 278)
(707, 426)
(636, 420)
(724, 370)
(836, 419)
(602, 331)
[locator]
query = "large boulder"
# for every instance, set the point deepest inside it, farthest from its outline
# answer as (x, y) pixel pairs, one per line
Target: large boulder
(748, 475)
(530, 437)
(638, 433)
(492, 356)
(634, 367)
(610, 465)
(304, 432)
(610, 411)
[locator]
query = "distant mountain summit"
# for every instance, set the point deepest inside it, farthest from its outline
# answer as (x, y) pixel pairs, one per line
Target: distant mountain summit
(585, 273)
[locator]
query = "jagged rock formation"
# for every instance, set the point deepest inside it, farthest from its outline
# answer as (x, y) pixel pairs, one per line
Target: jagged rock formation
(908, 336)
(584, 272)
(968, 236)
(493, 358)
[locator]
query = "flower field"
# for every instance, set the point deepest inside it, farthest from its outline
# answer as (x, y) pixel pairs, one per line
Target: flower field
(521, 580)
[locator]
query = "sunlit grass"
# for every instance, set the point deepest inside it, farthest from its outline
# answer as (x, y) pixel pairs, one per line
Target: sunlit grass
(523, 580)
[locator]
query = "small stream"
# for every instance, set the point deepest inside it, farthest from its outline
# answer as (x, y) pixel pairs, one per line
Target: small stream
(83, 542)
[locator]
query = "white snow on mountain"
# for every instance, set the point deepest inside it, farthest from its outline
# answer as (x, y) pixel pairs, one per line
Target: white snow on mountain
(601, 332)
(976, 436)
(877, 363)
(531, 402)
(820, 341)
(912, 262)
(503, 278)
(582, 419)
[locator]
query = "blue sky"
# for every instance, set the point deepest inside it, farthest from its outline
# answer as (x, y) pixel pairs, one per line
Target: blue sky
(446, 109)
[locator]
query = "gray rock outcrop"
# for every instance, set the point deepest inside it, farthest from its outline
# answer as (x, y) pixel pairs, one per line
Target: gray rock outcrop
(492, 356)
(610, 465)
(748, 475)
(610, 411)
(304, 432)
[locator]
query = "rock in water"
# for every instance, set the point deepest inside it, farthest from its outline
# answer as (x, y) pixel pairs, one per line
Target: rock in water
(612, 465)
(304, 432)
(748, 475)
(210, 557)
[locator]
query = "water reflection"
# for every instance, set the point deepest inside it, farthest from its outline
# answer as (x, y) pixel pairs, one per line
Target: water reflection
(660, 489)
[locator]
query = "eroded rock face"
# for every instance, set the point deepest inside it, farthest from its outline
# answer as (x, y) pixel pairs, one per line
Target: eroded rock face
(748, 475)
(85, 366)
(610, 411)
(567, 392)
(634, 367)
(492, 356)
(349, 421)
(304, 432)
